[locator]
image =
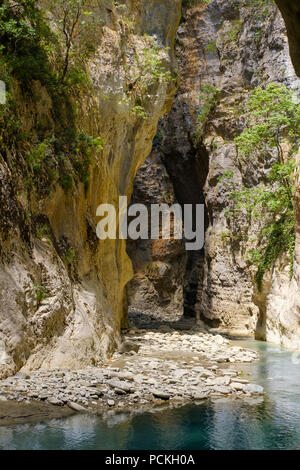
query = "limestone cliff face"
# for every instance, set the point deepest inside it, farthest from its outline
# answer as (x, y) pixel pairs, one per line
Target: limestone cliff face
(61, 289)
(229, 48)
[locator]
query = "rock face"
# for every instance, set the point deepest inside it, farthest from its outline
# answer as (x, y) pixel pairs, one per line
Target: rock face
(159, 265)
(61, 289)
(227, 49)
(246, 57)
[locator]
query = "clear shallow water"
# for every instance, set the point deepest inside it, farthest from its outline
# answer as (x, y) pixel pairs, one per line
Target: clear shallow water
(269, 423)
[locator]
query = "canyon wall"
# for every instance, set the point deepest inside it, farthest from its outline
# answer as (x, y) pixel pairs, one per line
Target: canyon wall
(62, 299)
(228, 49)
(62, 290)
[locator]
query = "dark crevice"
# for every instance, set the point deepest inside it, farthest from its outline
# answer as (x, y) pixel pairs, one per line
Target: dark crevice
(188, 173)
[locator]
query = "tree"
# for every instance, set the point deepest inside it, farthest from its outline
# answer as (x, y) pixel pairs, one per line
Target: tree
(69, 14)
(273, 123)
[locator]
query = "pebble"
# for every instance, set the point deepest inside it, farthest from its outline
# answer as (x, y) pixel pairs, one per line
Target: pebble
(177, 365)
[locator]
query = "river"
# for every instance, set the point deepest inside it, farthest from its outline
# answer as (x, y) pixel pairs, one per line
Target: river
(272, 422)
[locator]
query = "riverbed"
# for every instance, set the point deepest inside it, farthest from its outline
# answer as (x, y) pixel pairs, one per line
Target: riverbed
(268, 422)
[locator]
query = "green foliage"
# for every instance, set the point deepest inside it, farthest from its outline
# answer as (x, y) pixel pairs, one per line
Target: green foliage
(70, 257)
(139, 111)
(43, 231)
(234, 31)
(66, 181)
(273, 120)
(10, 125)
(151, 67)
(38, 155)
(189, 3)
(77, 34)
(261, 8)
(273, 206)
(83, 147)
(40, 293)
(211, 46)
(274, 116)
(32, 51)
(147, 70)
(208, 99)
(227, 175)
(25, 37)
(56, 160)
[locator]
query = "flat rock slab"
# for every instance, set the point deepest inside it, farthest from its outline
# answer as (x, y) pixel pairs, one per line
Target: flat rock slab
(161, 394)
(12, 412)
(76, 407)
(55, 401)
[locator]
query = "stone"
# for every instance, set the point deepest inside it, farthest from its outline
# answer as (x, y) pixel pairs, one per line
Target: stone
(200, 396)
(84, 383)
(179, 373)
(75, 406)
(161, 394)
(238, 386)
(222, 389)
(120, 391)
(254, 389)
(128, 346)
(43, 396)
(54, 401)
(97, 392)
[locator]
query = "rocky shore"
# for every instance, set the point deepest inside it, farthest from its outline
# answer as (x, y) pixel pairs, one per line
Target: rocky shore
(173, 362)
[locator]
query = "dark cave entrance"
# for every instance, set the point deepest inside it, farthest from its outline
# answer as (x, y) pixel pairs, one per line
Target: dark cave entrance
(188, 174)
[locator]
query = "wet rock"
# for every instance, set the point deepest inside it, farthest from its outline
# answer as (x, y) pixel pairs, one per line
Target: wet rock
(254, 389)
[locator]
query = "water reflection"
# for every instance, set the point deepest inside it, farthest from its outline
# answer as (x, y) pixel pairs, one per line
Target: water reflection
(269, 423)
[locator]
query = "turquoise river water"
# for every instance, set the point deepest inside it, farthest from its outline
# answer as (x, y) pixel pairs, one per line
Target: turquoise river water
(272, 422)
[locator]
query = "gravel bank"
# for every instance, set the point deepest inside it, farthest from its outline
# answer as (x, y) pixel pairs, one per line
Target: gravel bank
(174, 362)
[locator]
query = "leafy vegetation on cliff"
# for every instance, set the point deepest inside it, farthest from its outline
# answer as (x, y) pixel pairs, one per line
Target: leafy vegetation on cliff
(273, 125)
(208, 99)
(44, 54)
(38, 62)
